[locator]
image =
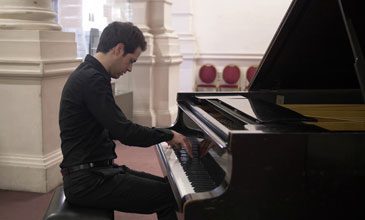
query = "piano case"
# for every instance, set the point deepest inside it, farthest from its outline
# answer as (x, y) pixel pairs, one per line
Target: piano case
(298, 150)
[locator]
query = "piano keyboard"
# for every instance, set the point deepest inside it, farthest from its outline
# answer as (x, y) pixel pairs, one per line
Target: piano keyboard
(194, 168)
(191, 175)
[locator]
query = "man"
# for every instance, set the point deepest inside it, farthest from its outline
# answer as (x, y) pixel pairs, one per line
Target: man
(90, 120)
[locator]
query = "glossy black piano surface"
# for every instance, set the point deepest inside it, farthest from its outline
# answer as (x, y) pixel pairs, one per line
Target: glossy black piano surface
(293, 146)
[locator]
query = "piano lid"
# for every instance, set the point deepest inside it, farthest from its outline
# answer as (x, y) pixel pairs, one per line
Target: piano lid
(317, 46)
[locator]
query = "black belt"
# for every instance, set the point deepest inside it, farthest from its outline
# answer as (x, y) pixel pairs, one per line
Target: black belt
(68, 170)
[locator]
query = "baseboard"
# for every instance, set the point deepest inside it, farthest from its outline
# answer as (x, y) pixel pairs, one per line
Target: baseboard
(30, 173)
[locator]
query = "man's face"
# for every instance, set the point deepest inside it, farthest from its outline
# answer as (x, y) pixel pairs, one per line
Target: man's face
(124, 62)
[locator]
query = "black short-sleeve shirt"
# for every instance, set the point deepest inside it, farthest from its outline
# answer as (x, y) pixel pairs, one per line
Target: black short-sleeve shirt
(90, 120)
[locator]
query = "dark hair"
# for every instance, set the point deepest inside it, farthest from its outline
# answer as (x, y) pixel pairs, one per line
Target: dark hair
(121, 32)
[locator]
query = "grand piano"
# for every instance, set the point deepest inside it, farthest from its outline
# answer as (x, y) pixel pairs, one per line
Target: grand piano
(293, 146)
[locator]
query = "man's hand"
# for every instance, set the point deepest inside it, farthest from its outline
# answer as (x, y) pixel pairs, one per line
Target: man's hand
(204, 147)
(180, 140)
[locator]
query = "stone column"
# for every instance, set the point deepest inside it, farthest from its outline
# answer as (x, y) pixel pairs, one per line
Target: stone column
(155, 75)
(143, 70)
(182, 21)
(35, 60)
(166, 49)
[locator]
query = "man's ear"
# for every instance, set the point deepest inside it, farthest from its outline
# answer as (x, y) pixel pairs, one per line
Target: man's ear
(119, 49)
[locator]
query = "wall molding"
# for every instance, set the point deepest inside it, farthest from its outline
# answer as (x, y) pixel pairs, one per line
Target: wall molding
(31, 161)
(183, 14)
(169, 59)
(37, 69)
(230, 56)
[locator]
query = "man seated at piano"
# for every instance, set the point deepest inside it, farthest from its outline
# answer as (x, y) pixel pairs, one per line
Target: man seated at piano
(90, 120)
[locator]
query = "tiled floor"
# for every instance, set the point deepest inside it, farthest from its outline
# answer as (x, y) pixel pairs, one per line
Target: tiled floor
(31, 206)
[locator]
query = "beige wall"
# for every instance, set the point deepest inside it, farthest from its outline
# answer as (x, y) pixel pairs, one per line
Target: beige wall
(234, 31)
(237, 26)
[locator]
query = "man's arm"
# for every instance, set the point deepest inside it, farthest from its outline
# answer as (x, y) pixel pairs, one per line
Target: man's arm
(100, 102)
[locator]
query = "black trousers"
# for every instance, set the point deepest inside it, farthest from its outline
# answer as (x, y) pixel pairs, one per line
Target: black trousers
(123, 189)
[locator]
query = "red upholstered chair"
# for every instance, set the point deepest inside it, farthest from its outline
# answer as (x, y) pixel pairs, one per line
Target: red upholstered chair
(231, 78)
(250, 74)
(207, 78)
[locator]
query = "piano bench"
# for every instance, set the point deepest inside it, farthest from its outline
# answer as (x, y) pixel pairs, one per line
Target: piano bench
(59, 209)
